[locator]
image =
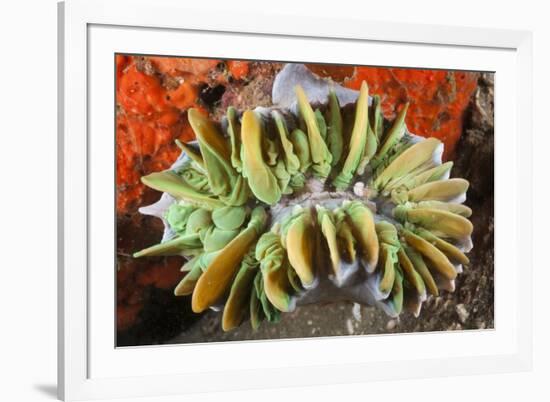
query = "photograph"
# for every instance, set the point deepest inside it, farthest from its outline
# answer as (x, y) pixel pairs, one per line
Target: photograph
(275, 202)
(269, 200)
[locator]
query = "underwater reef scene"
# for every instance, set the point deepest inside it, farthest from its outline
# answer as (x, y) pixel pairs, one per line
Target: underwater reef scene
(266, 200)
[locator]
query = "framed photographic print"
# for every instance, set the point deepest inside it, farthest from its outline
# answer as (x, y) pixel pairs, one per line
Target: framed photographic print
(253, 199)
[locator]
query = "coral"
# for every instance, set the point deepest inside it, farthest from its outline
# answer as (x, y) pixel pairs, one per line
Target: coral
(278, 207)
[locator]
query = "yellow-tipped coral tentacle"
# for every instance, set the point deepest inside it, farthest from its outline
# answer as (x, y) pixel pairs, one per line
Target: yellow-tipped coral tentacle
(261, 179)
(357, 141)
(320, 154)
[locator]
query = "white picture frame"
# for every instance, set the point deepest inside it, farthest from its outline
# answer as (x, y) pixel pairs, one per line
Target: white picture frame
(89, 365)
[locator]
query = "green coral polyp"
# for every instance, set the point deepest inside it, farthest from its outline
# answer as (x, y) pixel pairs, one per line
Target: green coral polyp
(275, 209)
